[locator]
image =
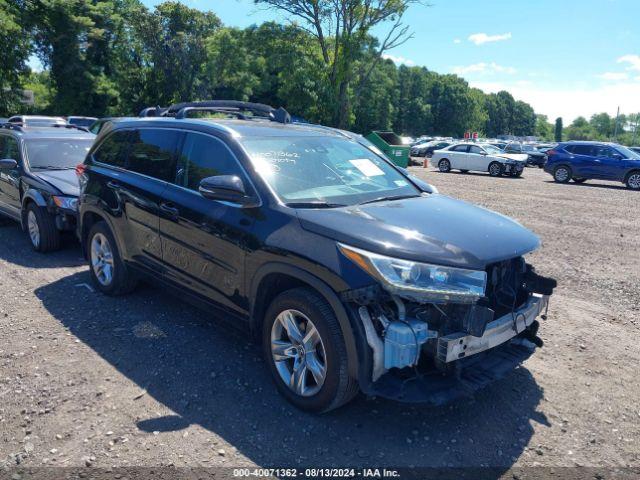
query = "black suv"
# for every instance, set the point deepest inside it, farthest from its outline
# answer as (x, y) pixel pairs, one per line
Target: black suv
(534, 157)
(38, 185)
(352, 274)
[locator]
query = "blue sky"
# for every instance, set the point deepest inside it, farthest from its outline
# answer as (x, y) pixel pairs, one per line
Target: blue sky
(565, 57)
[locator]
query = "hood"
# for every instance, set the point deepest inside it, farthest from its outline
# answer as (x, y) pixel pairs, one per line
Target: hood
(519, 157)
(64, 180)
(431, 229)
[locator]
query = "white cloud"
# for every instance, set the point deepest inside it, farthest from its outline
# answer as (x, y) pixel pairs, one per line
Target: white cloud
(483, 68)
(632, 60)
(457, 40)
(614, 76)
(398, 59)
(481, 38)
(571, 101)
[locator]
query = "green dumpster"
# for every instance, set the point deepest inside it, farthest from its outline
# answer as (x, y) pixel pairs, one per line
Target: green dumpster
(391, 145)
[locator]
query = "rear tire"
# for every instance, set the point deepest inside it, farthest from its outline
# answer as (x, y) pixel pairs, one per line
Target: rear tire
(495, 169)
(325, 383)
(633, 180)
(108, 272)
(562, 174)
(444, 165)
(41, 228)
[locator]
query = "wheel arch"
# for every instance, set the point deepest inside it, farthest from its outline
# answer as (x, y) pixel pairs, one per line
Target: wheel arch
(275, 278)
(30, 196)
(88, 219)
(629, 173)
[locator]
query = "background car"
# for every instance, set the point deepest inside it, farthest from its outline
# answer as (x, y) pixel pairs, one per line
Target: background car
(38, 184)
(81, 121)
(478, 157)
(580, 161)
(37, 120)
(426, 149)
(97, 126)
(635, 149)
(534, 156)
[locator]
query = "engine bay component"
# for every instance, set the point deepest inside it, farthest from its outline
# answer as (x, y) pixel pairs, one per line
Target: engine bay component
(403, 341)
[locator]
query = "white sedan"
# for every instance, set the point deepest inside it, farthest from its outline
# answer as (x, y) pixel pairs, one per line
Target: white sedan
(478, 157)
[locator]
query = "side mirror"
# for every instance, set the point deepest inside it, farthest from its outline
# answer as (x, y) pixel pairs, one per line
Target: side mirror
(8, 164)
(228, 188)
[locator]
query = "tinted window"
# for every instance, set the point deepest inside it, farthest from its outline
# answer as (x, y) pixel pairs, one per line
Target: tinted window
(113, 151)
(602, 151)
(580, 149)
(153, 153)
(475, 149)
(204, 156)
(459, 148)
(11, 149)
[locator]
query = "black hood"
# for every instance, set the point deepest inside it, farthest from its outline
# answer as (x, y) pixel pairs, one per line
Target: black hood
(431, 229)
(64, 180)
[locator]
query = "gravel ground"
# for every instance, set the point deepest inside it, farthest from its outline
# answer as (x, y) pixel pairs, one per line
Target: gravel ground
(147, 380)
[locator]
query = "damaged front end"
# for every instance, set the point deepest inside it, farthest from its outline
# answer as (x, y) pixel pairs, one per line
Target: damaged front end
(448, 335)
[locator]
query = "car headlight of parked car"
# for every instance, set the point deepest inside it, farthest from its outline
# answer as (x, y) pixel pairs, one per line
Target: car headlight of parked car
(67, 203)
(423, 281)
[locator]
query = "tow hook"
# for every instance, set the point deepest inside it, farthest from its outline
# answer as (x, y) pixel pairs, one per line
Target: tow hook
(531, 334)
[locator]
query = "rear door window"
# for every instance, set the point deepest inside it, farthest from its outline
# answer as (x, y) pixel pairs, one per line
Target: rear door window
(153, 152)
(204, 156)
(114, 149)
(459, 148)
(580, 149)
(475, 149)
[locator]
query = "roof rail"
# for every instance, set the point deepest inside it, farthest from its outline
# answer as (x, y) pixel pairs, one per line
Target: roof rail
(231, 107)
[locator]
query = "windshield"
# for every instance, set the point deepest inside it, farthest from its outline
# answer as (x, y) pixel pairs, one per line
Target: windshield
(328, 170)
(491, 149)
(57, 152)
(628, 153)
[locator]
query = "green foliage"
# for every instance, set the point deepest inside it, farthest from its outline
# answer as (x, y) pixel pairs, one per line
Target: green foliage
(558, 130)
(115, 57)
(544, 129)
(14, 52)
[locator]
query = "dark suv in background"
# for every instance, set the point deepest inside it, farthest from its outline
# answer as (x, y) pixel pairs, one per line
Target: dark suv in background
(580, 161)
(38, 184)
(352, 274)
(535, 158)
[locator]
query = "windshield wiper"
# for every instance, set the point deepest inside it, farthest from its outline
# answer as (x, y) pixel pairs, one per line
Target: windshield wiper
(314, 205)
(390, 197)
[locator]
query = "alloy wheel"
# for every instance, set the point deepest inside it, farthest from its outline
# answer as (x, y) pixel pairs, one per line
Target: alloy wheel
(562, 174)
(495, 169)
(298, 353)
(33, 228)
(634, 181)
(444, 166)
(102, 259)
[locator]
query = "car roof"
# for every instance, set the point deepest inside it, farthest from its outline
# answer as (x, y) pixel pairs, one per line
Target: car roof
(236, 127)
(49, 132)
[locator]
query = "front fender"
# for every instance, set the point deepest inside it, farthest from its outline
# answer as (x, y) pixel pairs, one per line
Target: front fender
(321, 287)
(31, 195)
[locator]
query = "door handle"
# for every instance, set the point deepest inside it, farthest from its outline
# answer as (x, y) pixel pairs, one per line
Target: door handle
(113, 185)
(169, 209)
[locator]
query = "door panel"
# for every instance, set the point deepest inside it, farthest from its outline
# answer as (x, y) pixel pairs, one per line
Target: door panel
(10, 179)
(459, 157)
(203, 240)
(477, 161)
(605, 165)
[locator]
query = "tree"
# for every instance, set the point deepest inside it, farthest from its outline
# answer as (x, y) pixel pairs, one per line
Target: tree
(580, 129)
(13, 54)
(558, 130)
(544, 130)
(603, 125)
(341, 29)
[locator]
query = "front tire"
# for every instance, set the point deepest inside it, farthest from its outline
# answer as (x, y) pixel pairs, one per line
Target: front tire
(633, 181)
(444, 165)
(562, 174)
(495, 169)
(41, 227)
(306, 352)
(108, 272)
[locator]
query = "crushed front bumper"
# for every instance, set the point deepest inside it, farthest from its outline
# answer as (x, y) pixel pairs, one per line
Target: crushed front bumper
(459, 345)
(472, 362)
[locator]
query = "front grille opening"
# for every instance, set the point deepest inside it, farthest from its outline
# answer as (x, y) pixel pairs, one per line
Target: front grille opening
(505, 286)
